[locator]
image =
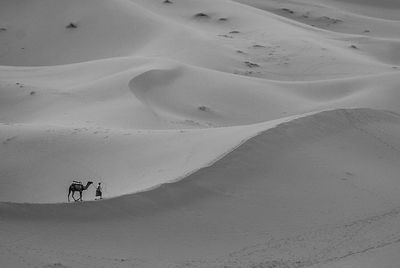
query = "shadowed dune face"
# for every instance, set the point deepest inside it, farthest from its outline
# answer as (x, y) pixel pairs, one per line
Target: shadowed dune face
(126, 161)
(296, 186)
(209, 99)
(335, 146)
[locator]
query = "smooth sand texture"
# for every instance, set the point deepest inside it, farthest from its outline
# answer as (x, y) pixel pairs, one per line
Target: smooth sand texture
(247, 133)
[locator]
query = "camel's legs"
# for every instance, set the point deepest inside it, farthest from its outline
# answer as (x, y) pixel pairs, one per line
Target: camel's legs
(80, 195)
(73, 195)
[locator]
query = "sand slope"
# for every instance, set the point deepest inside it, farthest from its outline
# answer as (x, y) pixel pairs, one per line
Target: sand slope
(289, 195)
(240, 133)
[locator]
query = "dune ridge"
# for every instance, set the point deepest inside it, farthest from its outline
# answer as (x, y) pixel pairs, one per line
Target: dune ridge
(248, 195)
(306, 128)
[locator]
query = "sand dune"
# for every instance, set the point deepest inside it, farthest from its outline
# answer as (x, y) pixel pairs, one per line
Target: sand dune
(246, 133)
(38, 34)
(289, 195)
(123, 159)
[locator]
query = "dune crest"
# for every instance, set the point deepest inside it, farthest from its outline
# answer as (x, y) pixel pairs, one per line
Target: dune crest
(274, 196)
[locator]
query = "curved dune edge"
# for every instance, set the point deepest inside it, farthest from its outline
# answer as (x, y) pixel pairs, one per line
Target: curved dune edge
(345, 118)
(68, 153)
(171, 95)
(221, 99)
(287, 196)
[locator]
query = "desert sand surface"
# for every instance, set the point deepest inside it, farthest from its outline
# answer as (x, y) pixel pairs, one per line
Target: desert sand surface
(225, 133)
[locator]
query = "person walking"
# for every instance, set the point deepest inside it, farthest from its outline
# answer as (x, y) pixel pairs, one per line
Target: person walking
(99, 193)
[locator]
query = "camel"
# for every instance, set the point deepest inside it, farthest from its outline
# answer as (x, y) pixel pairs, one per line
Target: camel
(78, 187)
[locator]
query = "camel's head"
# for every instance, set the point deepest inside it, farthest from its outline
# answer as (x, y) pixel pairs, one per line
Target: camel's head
(90, 182)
